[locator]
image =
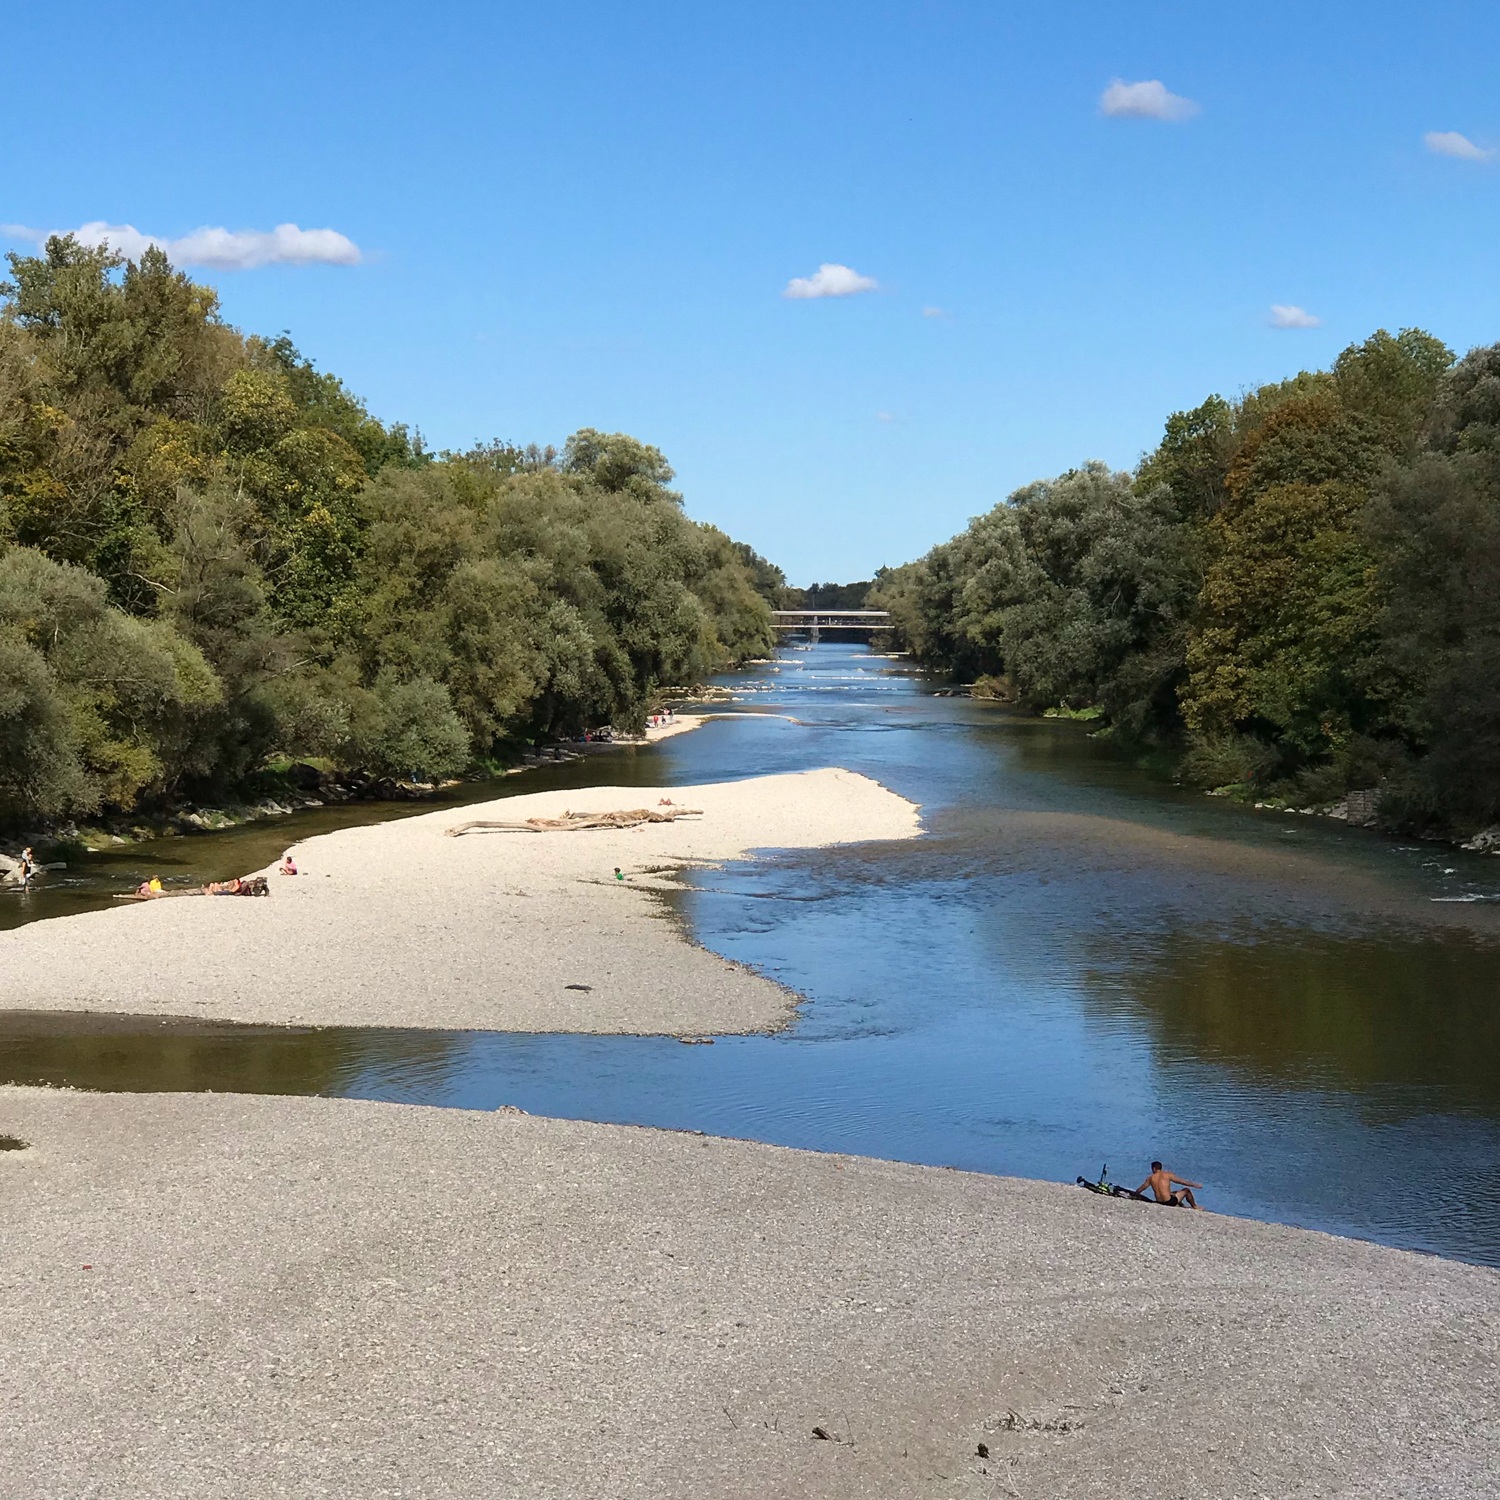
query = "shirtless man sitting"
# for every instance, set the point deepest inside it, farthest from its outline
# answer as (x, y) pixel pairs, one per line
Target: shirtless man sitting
(1161, 1184)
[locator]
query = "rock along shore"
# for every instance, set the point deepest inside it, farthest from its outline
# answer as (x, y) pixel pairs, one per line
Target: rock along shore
(216, 1296)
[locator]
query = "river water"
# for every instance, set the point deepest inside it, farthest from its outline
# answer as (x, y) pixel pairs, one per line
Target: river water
(1078, 964)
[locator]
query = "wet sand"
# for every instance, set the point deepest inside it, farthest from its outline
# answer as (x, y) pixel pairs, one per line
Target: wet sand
(216, 1295)
(396, 924)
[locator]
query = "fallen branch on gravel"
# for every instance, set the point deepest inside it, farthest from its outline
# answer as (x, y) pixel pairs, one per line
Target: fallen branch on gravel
(571, 821)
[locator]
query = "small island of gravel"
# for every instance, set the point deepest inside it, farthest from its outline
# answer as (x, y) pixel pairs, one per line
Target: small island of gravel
(397, 924)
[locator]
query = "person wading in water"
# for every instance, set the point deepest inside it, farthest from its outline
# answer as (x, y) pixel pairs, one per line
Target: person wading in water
(1161, 1182)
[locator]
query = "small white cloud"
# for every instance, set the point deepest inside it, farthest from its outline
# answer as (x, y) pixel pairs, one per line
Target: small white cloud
(934, 312)
(218, 249)
(885, 416)
(1148, 100)
(1451, 143)
(829, 280)
(286, 245)
(1286, 315)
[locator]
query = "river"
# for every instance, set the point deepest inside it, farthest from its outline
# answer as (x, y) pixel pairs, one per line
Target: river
(1079, 964)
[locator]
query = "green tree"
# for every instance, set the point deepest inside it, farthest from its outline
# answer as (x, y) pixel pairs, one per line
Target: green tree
(1287, 647)
(131, 692)
(214, 553)
(1435, 528)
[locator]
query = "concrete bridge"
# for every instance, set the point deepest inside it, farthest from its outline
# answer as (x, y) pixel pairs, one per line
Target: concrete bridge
(812, 621)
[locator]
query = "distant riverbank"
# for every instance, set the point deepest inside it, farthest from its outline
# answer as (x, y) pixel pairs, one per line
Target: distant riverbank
(300, 788)
(1359, 809)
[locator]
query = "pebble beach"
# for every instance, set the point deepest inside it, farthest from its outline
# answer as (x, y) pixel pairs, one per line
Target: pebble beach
(216, 1296)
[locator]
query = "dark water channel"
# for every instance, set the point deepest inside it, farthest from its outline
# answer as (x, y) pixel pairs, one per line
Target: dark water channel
(1078, 964)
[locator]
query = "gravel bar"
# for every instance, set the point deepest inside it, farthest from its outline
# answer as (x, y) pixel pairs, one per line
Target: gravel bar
(225, 1296)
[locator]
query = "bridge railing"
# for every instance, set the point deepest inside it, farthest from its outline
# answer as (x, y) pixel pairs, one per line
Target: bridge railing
(815, 620)
(807, 616)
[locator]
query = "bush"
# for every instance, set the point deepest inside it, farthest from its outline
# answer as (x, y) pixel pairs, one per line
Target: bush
(408, 729)
(1228, 760)
(39, 767)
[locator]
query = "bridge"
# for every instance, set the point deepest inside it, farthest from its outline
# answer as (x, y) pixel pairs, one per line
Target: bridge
(812, 621)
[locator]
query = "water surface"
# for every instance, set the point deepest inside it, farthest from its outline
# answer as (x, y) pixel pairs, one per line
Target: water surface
(1078, 964)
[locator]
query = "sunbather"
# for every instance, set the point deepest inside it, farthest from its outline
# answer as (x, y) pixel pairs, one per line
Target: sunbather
(1163, 1185)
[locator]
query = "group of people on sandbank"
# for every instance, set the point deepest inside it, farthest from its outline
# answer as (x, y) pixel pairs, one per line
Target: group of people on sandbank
(606, 734)
(238, 885)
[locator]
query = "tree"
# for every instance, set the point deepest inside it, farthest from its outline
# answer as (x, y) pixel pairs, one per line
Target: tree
(123, 697)
(217, 554)
(1287, 647)
(1435, 526)
(617, 463)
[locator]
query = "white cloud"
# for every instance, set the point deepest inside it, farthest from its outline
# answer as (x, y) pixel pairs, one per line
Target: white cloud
(885, 416)
(1451, 143)
(934, 312)
(1286, 315)
(217, 249)
(829, 281)
(1148, 100)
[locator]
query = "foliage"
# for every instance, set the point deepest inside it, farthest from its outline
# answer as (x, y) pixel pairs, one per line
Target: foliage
(1436, 526)
(830, 596)
(1058, 589)
(766, 578)
(1298, 591)
(104, 705)
(211, 554)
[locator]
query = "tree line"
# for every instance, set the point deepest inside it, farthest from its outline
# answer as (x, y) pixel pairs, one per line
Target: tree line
(212, 555)
(1295, 595)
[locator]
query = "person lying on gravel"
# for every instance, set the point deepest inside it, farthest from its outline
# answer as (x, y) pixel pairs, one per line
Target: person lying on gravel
(254, 885)
(1161, 1184)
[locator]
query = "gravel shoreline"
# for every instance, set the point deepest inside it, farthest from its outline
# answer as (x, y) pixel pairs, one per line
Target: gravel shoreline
(221, 1295)
(395, 924)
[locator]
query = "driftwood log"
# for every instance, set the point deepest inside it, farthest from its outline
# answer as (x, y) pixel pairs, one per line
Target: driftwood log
(570, 822)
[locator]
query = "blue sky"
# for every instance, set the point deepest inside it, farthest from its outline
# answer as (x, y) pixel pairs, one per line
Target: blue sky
(586, 214)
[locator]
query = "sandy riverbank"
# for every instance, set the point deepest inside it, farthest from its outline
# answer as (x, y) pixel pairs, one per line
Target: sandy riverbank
(395, 924)
(326, 1298)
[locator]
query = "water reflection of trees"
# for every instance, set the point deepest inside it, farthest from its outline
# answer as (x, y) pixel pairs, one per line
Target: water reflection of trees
(143, 1054)
(1364, 1013)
